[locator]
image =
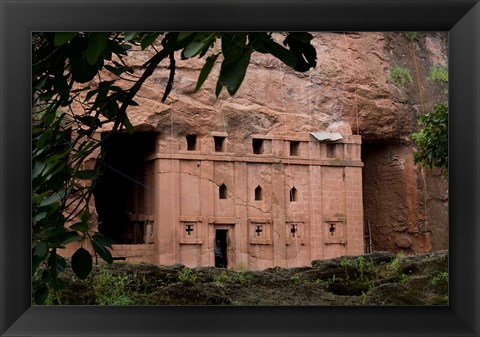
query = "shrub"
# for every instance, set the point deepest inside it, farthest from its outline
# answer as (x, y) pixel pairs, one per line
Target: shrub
(400, 76)
(432, 140)
(439, 73)
(187, 275)
(110, 289)
(411, 36)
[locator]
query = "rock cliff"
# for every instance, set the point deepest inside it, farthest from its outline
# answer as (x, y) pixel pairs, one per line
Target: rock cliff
(354, 90)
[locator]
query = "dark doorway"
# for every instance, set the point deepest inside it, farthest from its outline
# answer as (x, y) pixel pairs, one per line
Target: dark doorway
(123, 197)
(221, 259)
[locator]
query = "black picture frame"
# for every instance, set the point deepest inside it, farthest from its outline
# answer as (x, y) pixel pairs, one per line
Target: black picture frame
(18, 18)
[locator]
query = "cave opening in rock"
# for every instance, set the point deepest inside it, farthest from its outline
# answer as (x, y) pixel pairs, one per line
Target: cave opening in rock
(124, 194)
(404, 206)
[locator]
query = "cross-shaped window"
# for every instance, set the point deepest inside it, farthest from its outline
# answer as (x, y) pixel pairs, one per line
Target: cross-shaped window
(189, 229)
(332, 229)
(293, 230)
(259, 230)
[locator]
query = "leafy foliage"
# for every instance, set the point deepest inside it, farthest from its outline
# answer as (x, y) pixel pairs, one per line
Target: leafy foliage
(72, 99)
(112, 289)
(432, 140)
(411, 36)
(439, 73)
(400, 76)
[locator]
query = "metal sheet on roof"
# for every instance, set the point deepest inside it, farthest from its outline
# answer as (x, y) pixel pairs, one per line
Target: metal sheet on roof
(331, 136)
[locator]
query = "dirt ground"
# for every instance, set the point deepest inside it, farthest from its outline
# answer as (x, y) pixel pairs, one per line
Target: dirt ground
(380, 278)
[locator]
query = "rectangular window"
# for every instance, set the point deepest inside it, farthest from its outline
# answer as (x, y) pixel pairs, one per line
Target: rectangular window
(219, 143)
(257, 146)
(331, 150)
(294, 148)
(191, 142)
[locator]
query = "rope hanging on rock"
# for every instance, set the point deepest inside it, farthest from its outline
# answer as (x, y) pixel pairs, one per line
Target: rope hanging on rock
(354, 82)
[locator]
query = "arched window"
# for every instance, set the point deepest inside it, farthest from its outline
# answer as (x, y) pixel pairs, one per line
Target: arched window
(222, 191)
(258, 193)
(293, 194)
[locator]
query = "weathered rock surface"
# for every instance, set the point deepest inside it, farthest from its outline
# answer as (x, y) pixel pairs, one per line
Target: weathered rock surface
(350, 89)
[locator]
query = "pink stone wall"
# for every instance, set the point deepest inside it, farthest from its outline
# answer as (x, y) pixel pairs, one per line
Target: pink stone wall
(264, 229)
(263, 222)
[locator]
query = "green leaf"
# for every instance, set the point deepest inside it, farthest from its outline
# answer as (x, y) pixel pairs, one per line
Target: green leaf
(183, 35)
(130, 36)
(102, 251)
(90, 94)
(61, 263)
(102, 240)
(40, 216)
(51, 199)
(96, 45)
(299, 44)
(68, 237)
(38, 84)
(232, 74)
(63, 37)
(111, 110)
(86, 174)
(85, 217)
(41, 295)
(207, 68)
(82, 71)
(82, 263)
(88, 120)
(218, 88)
(80, 226)
(40, 250)
(61, 87)
(38, 168)
(198, 44)
(283, 54)
(128, 125)
(148, 39)
(303, 37)
(233, 46)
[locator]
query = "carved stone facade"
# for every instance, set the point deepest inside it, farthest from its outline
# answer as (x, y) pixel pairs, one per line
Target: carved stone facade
(160, 198)
(284, 200)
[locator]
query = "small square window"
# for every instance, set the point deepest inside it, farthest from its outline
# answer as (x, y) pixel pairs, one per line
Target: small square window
(219, 143)
(294, 148)
(331, 150)
(257, 145)
(191, 142)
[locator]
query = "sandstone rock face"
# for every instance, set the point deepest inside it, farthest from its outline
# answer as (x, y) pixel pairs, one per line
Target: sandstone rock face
(350, 91)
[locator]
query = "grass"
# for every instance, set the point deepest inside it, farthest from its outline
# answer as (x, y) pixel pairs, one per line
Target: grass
(439, 73)
(400, 76)
(110, 289)
(411, 36)
(187, 275)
